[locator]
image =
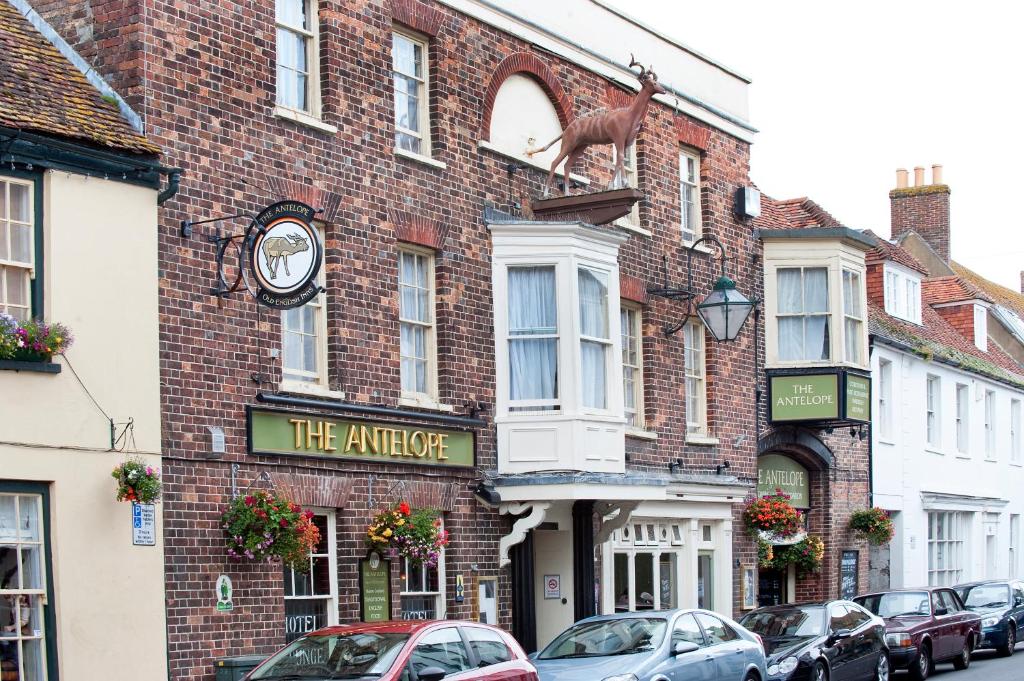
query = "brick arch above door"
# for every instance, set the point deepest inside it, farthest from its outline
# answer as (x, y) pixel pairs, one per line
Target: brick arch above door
(800, 444)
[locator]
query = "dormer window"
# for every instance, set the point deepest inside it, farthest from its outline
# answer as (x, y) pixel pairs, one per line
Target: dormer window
(902, 293)
(981, 327)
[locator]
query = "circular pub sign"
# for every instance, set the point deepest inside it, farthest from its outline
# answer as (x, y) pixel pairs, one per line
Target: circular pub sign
(285, 255)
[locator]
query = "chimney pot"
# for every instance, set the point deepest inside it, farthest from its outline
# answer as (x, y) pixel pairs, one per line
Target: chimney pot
(919, 176)
(901, 178)
(937, 174)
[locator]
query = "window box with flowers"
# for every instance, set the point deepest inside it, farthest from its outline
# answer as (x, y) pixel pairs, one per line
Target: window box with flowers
(30, 345)
(265, 527)
(413, 534)
(873, 524)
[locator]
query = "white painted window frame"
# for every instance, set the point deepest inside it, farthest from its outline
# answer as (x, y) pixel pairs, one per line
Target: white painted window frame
(28, 268)
(696, 423)
(439, 595)
(954, 547)
(429, 397)
(981, 327)
(422, 91)
(858, 319)
(332, 567)
(885, 407)
(297, 380)
(1016, 436)
(633, 314)
(990, 407)
(631, 168)
(902, 293)
(933, 411)
(695, 230)
(38, 632)
(962, 419)
(311, 39)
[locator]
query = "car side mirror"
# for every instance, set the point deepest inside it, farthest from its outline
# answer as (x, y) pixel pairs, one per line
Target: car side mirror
(838, 635)
(533, 655)
(1019, 600)
(683, 647)
(940, 611)
(431, 674)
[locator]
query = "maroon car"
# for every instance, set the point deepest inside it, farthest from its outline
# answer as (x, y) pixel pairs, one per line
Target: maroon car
(421, 650)
(924, 626)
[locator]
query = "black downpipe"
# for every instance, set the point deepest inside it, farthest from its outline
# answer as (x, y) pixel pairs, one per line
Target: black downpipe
(524, 610)
(173, 182)
(584, 602)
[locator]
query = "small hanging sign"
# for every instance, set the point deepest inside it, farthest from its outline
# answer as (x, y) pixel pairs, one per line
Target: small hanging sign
(223, 590)
(144, 524)
(460, 589)
(285, 255)
(375, 588)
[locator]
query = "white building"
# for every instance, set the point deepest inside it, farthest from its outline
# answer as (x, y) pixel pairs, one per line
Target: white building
(948, 458)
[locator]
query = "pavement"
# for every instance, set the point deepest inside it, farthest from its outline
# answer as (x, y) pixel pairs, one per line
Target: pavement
(985, 666)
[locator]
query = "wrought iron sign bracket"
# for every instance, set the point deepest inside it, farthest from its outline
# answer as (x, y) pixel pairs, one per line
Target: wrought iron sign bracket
(686, 294)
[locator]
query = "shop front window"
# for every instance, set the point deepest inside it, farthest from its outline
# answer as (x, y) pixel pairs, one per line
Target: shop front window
(23, 592)
(422, 590)
(705, 580)
(311, 598)
(645, 563)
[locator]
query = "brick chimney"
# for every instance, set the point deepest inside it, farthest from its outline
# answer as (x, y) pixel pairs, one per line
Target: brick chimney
(923, 208)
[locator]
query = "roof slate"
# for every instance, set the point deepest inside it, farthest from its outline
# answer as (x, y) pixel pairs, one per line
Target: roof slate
(1006, 297)
(42, 92)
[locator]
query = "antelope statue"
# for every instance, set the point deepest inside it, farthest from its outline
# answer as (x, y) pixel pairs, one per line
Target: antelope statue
(618, 127)
(276, 250)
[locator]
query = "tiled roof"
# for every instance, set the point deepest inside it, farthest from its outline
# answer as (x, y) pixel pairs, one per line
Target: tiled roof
(793, 214)
(937, 339)
(42, 92)
(886, 250)
(1006, 297)
(951, 289)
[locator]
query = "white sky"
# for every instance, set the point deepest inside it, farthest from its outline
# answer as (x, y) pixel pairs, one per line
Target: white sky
(845, 94)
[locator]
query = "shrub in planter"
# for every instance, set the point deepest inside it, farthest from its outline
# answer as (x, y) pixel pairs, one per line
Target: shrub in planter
(263, 527)
(32, 340)
(772, 514)
(807, 554)
(414, 534)
(874, 524)
(137, 482)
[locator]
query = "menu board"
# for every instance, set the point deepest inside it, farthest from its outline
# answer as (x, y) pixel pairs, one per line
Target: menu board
(848, 586)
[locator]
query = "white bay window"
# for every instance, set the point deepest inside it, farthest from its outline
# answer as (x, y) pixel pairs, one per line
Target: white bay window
(557, 340)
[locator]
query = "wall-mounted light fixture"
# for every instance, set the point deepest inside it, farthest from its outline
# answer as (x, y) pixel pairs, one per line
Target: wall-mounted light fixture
(723, 311)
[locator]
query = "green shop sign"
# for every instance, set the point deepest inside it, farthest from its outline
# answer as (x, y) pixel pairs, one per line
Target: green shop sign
(775, 471)
(286, 432)
(375, 588)
(805, 397)
(858, 398)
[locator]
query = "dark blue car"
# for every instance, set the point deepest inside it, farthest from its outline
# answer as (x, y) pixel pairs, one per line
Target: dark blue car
(653, 645)
(1001, 606)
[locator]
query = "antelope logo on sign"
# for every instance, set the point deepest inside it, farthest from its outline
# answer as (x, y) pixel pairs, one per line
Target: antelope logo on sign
(285, 255)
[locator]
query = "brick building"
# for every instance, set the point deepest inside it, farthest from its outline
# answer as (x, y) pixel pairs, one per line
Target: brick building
(602, 452)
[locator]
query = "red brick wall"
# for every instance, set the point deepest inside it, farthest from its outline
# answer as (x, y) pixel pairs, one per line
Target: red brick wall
(960, 317)
(924, 210)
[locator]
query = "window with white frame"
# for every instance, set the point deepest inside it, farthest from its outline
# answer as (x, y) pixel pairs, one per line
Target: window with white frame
(17, 247)
(902, 293)
(416, 322)
(885, 398)
(853, 317)
(23, 588)
(696, 379)
(963, 405)
(422, 589)
(632, 365)
(595, 338)
(1015, 433)
(645, 559)
(689, 196)
(947, 546)
(629, 166)
(981, 327)
(410, 65)
(532, 339)
(304, 339)
(311, 597)
(298, 55)
(933, 411)
(990, 424)
(1014, 545)
(803, 314)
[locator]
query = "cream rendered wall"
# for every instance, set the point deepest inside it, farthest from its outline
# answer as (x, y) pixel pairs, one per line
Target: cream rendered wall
(101, 280)
(523, 118)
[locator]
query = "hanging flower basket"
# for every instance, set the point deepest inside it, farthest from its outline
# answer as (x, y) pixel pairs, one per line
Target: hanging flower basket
(873, 524)
(807, 554)
(402, 531)
(264, 527)
(32, 340)
(137, 482)
(773, 518)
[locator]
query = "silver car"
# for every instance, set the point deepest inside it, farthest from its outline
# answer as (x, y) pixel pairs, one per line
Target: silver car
(658, 645)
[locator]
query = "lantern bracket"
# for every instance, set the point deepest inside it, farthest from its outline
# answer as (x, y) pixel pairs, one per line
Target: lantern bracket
(687, 294)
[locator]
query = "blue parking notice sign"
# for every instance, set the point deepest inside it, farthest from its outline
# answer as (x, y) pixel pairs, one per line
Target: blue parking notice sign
(144, 524)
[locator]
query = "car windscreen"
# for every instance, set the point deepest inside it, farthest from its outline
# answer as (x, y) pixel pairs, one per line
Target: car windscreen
(348, 656)
(607, 637)
(796, 622)
(896, 603)
(986, 596)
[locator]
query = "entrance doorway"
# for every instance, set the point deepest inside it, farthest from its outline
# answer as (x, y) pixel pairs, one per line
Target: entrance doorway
(553, 583)
(772, 587)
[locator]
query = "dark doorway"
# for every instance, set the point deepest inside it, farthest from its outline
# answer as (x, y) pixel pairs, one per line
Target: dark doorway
(771, 587)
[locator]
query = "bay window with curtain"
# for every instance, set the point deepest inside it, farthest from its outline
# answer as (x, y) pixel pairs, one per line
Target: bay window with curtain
(803, 314)
(532, 339)
(595, 341)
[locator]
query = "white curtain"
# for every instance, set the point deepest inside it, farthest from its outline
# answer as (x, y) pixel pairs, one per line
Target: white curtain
(593, 292)
(803, 292)
(533, 361)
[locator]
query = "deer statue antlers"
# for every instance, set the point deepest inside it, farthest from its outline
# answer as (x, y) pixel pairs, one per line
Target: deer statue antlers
(618, 127)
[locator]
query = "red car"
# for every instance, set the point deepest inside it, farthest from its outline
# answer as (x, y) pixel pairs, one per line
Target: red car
(420, 650)
(924, 626)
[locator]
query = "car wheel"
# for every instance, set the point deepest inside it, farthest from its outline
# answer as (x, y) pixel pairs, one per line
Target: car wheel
(819, 673)
(1011, 641)
(963, 660)
(882, 668)
(922, 666)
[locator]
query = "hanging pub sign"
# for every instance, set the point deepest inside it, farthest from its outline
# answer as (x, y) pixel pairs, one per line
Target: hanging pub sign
(826, 395)
(285, 254)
